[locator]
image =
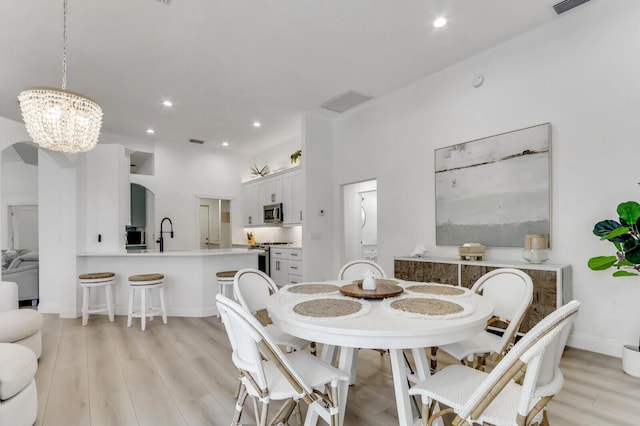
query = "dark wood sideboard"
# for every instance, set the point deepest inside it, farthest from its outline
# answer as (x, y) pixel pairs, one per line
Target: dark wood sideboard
(551, 283)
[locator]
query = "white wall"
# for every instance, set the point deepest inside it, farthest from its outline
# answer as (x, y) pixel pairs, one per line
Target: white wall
(580, 74)
(319, 232)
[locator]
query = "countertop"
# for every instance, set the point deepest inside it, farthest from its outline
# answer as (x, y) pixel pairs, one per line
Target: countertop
(176, 253)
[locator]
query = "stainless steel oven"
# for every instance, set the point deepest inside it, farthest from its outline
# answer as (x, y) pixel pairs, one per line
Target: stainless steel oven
(263, 257)
(264, 261)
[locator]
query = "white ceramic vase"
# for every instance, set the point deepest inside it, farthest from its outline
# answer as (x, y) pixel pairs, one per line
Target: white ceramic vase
(631, 360)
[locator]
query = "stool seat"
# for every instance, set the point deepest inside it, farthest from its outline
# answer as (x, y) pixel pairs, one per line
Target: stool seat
(145, 277)
(97, 276)
(95, 280)
(226, 274)
(146, 283)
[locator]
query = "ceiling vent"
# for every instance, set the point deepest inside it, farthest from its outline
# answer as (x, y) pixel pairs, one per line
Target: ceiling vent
(566, 5)
(198, 141)
(345, 102)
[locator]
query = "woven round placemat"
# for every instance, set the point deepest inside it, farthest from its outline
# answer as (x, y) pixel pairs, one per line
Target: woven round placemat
(441, 290)
(327, 308)
(426, 306)
(313, 288)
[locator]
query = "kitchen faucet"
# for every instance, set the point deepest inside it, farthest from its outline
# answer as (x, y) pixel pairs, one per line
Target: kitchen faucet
(161, 239)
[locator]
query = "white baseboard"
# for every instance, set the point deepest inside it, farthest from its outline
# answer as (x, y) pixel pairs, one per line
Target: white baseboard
(589, 343)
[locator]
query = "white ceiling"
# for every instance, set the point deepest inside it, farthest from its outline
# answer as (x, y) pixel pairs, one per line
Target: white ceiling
(226, 63)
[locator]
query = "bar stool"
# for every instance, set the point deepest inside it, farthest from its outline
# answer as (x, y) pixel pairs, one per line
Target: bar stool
(225, 281)
(96, 280)
(146, 283)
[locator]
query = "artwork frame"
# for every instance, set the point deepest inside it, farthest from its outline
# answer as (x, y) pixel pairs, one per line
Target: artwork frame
(494, 190)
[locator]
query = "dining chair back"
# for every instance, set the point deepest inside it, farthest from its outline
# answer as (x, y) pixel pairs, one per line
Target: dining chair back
(252, 288)
(511, 292)
(497, 397)
(355, 270)
(267, 373)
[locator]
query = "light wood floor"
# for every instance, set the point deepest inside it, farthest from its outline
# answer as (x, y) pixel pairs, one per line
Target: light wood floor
(181, 374)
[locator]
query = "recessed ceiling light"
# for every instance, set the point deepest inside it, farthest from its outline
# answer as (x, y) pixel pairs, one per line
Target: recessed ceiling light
(257, 124)
(225, 143)
(439, 23)
(151, 131)
(167, 103)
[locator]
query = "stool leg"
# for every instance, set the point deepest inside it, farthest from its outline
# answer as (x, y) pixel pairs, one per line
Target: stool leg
(109, 294)
(162, 308)
(143, 316)
(150, 294)
(85, 305)
(131, 293)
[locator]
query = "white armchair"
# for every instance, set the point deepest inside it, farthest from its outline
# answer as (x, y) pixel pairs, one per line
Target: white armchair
(22, 326)
(18, 393)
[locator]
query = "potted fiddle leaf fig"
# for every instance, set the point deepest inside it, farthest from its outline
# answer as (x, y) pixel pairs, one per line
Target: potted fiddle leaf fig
(624, 235)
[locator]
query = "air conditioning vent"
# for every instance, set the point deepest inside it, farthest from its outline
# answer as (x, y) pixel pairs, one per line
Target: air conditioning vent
(566, 5)
(198, 141)
(345, 102)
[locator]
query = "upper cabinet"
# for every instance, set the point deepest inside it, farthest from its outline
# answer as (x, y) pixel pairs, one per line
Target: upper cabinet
(285, 187)
(293, 197)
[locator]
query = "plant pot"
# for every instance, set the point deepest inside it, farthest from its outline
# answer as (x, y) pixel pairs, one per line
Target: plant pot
(631, 360)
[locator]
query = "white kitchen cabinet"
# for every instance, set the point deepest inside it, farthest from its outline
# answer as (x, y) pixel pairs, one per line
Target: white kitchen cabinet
(249, 198)
(298, 196)
(286, 187)
(295, 266)
(293, 197)
(286, 265)
(279, 270)
(272, 192)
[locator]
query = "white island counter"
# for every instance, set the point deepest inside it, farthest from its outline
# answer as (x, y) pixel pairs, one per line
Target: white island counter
(190, 275)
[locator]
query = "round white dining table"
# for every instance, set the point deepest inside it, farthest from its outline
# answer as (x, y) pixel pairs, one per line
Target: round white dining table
(379, 328)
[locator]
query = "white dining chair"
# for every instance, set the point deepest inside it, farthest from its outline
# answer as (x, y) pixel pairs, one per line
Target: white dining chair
(498, 398)
(267, 373)
(251, 288)
(511, 292)
(355, 270)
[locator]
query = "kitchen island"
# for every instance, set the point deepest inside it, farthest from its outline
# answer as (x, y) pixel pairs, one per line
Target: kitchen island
(190, 275)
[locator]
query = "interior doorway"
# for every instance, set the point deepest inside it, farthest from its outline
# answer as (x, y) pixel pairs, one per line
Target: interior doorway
(23, 227)
(360, 218)
(214, 223)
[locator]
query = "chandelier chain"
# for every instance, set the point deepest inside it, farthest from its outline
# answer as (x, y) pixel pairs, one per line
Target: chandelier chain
(64, 45)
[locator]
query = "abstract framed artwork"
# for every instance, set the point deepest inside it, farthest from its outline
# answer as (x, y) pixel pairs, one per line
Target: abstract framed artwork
(494, 190)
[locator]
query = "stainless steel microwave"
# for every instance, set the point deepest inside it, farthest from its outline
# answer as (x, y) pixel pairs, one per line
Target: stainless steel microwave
(272, 213)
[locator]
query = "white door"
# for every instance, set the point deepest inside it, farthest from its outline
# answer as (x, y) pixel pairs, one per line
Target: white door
(23, 232)
(204, 226)
(360, 221)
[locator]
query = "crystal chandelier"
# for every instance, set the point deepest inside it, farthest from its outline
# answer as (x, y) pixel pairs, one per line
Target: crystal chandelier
(58, 119)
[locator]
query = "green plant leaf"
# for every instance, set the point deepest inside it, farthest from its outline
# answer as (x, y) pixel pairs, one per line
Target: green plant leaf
(615, 233)
(600, 263)
(629, 212)
(632, 253)
(624, 274)
(605, 227)
(623, 263)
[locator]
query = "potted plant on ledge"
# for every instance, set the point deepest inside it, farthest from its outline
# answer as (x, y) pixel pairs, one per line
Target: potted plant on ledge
(296, 157)
(624, 235)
